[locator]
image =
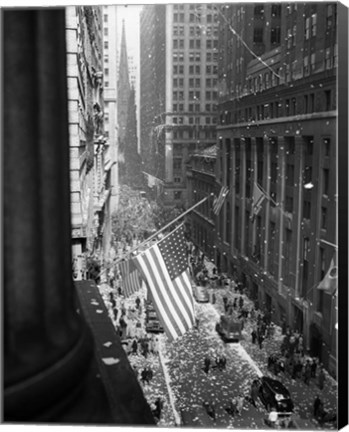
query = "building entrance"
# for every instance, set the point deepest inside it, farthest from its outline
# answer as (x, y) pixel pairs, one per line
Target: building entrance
(315, 342)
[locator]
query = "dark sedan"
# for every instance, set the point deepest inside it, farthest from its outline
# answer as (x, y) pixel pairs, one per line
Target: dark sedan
(273, 393)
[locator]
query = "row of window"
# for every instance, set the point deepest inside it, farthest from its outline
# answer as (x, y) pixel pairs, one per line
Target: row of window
(194, 17)
(192, 133)
(182, 120)
(195, 95)
(291, 72)
(305, 104)
(193, 107)
(193, 69)
(210, 82)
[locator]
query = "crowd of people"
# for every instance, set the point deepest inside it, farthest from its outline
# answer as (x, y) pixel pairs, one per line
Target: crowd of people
(292, 358)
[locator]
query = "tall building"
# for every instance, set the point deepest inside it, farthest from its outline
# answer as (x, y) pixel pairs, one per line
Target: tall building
(277, 130)
(132, 68)
(88, 144)
(110, 62)
(178, 91)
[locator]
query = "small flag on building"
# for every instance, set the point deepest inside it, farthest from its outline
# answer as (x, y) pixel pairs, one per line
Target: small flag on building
(329, 283)
(257, 200)
(130, 277)
(165, 268)
(219, 201)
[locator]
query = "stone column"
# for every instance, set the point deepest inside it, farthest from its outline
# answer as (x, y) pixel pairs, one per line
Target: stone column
(46, 345)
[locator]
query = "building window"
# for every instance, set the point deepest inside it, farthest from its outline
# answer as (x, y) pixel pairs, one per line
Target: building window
(306, 65)
(276, 10)
(328, 58)
(290, 175)
(273, 172)
(306, 210)
(289, 204)
(307, 28)
(294, 35)
(259, 10)
(105, 31)
(258, 35)
(305, 104)
(307, 174)
(312, 103)
(327, 146)
(177, 164)
(309, 146)
(312, 62)
(177, 195)
(325, 181)
(313, 24)
(329, 16)
(274, 35)
(106, 45)
(323, 218)
(105, 17)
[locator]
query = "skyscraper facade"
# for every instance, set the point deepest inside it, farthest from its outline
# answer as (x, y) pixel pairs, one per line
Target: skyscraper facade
(277, 130)
(88, 145)
(178, 90)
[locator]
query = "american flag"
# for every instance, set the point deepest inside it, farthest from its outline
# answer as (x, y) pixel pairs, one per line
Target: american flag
(329, 283)
(130, 277)
(218, 201)
(257, 200)
(165, 268)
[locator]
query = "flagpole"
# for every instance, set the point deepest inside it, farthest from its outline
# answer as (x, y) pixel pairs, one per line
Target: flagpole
(158, 232)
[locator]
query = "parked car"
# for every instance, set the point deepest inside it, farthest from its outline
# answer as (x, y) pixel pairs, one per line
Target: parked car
(200, 294)
(273, 393)
(229, 328)
(152, 323)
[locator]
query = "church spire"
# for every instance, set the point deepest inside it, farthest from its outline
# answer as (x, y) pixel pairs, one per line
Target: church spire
(123, 85)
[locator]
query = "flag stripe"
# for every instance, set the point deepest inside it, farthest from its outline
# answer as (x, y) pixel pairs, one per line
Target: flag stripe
(218, 202)
(158, 304)
(160, 301)
(184, 286)
(130, 277)
(168, 288)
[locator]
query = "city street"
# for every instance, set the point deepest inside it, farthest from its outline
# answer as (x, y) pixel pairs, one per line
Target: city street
(181, 383)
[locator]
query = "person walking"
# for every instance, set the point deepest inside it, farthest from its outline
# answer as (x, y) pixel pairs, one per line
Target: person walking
(316, 405)
(260, 340)
(134, 347)
(321, 378)
(241, 302)
(254, 336)
(144, 376)
(307, 372)
(207, 363)
(254, 392)
(313, 368)
(225, 303)
(235, 304)
(240, 404)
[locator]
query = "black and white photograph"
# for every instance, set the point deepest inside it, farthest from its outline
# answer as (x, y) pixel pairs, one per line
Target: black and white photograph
(175, 215)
